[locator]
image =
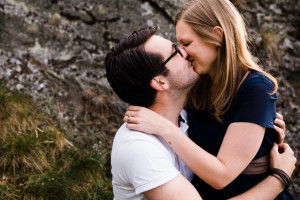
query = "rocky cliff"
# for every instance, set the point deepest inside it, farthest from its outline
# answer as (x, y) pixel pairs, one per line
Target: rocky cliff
(54, 50)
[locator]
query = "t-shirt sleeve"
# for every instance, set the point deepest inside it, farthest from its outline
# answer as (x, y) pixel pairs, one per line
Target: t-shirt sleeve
(149, 165)
(255, 104)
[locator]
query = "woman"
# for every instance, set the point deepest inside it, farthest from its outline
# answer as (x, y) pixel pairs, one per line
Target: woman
(230, 110)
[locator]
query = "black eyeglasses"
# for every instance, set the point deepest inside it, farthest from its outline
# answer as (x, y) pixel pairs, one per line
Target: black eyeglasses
(177, 50)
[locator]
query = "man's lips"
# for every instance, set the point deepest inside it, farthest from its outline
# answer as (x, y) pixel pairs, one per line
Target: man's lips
(191, 64)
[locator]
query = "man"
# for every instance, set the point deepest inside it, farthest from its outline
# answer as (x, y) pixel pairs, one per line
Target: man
(147, 70)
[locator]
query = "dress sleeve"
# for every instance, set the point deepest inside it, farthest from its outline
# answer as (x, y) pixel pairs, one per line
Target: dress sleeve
(255, 103)
(148, 165)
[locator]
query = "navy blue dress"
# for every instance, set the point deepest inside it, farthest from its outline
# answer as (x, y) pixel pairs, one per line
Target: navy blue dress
(251, 104)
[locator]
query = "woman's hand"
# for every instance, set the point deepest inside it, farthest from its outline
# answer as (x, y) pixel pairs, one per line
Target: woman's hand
(279, 126)
(145, 120)
(282, 157)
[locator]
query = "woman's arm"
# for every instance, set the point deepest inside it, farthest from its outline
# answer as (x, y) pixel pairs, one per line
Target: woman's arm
(241, 143)
(282, 157)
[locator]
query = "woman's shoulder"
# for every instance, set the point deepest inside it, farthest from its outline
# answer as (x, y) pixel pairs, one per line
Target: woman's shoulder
(255, 79)
(256, 86)
(255, 76)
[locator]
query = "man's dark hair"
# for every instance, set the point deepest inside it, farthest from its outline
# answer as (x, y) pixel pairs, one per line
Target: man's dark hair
(129, 68)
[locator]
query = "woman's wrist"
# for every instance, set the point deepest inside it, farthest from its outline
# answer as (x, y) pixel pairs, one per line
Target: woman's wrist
(169, 130)
(281, 176)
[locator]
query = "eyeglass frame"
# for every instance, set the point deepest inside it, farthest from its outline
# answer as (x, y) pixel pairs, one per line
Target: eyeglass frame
(177, 50)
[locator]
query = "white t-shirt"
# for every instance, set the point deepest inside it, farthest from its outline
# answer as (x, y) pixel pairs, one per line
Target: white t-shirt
(141, 162)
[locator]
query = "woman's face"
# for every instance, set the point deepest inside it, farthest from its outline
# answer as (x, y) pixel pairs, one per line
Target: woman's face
(201, 53)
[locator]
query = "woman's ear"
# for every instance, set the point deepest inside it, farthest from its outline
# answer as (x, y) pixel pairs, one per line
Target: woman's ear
(159, 83)
(219, 32)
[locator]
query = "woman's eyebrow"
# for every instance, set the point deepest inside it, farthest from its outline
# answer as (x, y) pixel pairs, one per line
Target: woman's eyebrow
(182, 41)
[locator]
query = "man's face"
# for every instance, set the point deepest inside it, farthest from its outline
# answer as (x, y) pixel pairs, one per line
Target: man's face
(182, 74)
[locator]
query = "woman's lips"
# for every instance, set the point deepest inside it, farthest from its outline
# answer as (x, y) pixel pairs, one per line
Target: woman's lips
(192, 66)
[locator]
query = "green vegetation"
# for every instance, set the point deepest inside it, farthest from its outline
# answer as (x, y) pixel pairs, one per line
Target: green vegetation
(38, 162)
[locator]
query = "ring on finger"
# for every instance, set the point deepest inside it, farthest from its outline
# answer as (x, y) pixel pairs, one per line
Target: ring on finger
(128, 119)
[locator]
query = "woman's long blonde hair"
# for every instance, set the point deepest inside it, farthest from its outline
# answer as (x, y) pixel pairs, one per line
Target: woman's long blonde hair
(234, 60)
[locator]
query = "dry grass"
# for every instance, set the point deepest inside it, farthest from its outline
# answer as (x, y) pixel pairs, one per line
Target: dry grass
(38, 163)
(270, 42)
(239, 3)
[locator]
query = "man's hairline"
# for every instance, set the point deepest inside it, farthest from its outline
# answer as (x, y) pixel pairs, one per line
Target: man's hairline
(153, 51)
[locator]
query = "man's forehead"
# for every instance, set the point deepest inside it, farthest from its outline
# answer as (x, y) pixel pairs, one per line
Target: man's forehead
(157, 44)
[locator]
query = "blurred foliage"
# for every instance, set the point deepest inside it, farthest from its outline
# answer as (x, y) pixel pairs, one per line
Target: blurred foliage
(38, 162)
(270, 43)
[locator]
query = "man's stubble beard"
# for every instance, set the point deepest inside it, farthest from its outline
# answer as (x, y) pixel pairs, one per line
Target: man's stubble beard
(178, 87)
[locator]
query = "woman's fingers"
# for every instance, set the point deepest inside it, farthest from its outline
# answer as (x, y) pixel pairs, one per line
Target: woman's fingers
(281, 134)
(129, 119)
(279, 116)
(282, 157)
(145, 120)
(274, 149)
(285, 148)
(134, 108)
(280, 123)
(132, 113)
(279, 126)
(131, 116)
(133, 126)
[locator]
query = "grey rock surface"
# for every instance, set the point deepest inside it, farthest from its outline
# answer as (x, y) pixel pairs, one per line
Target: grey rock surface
(54, 51)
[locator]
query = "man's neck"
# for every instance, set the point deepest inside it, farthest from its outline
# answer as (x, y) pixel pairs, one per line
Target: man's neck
(169, 106)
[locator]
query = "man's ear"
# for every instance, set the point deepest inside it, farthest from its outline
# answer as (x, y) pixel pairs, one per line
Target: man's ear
(217, 30)
(159, 83)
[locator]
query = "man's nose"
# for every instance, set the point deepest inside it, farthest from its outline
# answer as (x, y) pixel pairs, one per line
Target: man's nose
(184, 53)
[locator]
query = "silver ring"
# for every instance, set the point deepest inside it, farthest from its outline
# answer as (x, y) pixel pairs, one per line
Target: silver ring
(128, 118)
